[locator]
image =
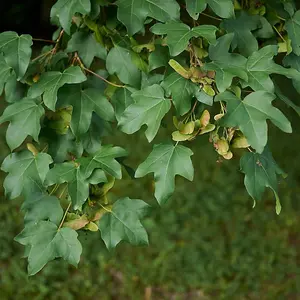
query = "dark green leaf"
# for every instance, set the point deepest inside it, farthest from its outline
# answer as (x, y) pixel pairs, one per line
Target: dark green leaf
(17, 51)
(119, 61)
(243, 39)
(166, 161)
(179, 34)
(104, 159)
(78, 185)
(84, 102)
(64, 10)
(87, 47)
(122, 222)
(250, 116)
(182, 91)
(260, 172)
(149, 107)
(46, 208)
(24, 117)
(133, 13)
(158, 58)
(47, 242)
(25, 171)
(227, 65)
(261, 64)
(50, 82)
(121, 100)
(222, 8)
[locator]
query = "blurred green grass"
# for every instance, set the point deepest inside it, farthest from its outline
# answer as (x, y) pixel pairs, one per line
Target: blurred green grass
(206, 243)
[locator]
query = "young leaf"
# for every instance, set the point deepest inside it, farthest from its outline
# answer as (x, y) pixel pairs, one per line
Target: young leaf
(64, 10)
(261, 64)
(182, 91)
(119, 61)
(222, 8)
(104, 159)
(24, 117)
(87, 47)
(50, 82)
(292, 26)
(122, 222)
(133, 13)
(260, 172)
(149, 107)
(25, 171)
(250, 116)
(47, 242)
(243, 38)
(227, 65)
(78, 185)
(17, 51)
(166, 161)
(84, 102)
(179, 34)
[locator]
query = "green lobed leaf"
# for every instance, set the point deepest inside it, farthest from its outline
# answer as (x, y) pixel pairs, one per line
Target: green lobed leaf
(222, 8)
(133, 13)
(179, 34)
(17, 51)
(86, 46)
(26, 171)
(84, 103)
(105, 159)
(260, 172)
(50, 82)
(261, 64)
(243, 38)
(47, 242)
(182, 91)
(122, 223)
(24, 117)
(149, 108)
(64, 10)
(166, 161)
(250, 116)
(227, 65)
(119, 61)
(44, 209)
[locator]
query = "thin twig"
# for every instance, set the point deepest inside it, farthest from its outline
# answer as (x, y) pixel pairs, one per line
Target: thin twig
(279, 33)
(102, 78)
(209, 16)
(42, 55)
(43, 40)
(95, 74)
(65, 214)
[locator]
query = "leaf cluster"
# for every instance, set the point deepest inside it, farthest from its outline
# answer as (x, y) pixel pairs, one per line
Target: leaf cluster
(117, 66)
